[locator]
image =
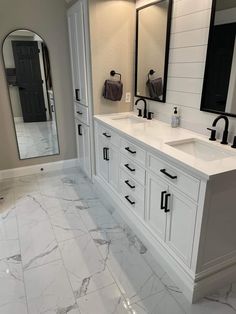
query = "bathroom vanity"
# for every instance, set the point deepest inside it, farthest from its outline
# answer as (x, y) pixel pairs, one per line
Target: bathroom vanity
(177, 191)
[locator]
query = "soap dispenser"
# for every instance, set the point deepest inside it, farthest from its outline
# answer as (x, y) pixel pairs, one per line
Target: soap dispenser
(175, 119)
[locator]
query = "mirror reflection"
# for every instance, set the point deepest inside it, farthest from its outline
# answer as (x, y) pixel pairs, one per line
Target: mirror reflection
(28, 74)
(219, 89)
(152, 44)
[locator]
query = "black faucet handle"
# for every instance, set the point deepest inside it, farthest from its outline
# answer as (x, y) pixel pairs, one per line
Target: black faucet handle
(213, 134)
(139, 112)
(150, 115)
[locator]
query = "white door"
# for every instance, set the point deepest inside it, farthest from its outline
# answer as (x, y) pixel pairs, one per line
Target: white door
(155, 214)
(181, 225)
(83, 147)
(102, 158)
(78, 54)
(113, 155)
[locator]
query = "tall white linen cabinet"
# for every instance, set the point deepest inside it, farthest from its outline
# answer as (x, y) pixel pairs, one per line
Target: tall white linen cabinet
(78, 27)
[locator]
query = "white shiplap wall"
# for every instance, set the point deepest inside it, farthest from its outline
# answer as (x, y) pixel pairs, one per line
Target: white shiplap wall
(188, 46)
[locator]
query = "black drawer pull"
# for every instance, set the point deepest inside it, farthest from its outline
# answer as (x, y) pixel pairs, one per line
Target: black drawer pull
(130, 169)
(79, 112)
(130, 151)
(167, 174)
(131, 202)
(77, 92)
(167, 210)
(131, 186)
(106, 135)
(79, 129)
(162, 200)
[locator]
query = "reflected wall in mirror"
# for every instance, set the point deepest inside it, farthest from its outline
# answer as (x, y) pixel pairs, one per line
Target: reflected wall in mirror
(152, 50)
(28, 75)
(219, 88)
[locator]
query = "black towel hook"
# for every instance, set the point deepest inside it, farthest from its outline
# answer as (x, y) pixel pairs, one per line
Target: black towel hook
(151, 72)
(113, 73)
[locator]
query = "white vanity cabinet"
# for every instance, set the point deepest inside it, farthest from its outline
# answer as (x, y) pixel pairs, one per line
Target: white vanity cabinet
(184, 216)
(79, 52)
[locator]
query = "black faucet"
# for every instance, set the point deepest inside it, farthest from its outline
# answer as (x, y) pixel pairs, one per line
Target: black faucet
(145, 106)
(226, 130)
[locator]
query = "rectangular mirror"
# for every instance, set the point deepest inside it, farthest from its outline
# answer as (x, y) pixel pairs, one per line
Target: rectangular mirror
(153, 24)
(219, 87)
(28, 74)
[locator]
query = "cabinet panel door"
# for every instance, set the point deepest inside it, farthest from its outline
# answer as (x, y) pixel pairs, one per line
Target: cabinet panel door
(102, 163)
(113, 166)
(156, 217)
(181, 226)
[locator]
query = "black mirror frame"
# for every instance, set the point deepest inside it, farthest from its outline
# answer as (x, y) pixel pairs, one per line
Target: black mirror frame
(8, 92)
(167, 48)
(204, 88)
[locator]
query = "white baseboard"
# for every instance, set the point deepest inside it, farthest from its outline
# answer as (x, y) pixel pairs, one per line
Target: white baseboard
(28, 170)
(18, 119)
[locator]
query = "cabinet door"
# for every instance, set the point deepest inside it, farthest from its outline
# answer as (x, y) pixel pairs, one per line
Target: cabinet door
(83, 148)
(181, 225)
(113, 154)
(78, 54)
(155, 215)
(102, 162)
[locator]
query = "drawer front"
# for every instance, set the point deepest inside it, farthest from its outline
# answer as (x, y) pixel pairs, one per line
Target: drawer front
(136, 172)
(133, 151)
(109, 135)
(184, 182)
(132, 202)
(127, 182)
(81, 113)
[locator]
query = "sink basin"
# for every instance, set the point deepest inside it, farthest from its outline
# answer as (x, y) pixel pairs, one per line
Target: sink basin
(129, 119)
(201, 150)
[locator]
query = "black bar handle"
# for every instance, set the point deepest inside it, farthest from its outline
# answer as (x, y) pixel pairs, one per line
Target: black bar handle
(130, 151)
(131, 186)
(79, 129)
(106, 135)
(79, 112)
(162, 200)
(131, 202)
(167, 174)
(105, 153)
(77, 92)
(167, 210)
(130, 169)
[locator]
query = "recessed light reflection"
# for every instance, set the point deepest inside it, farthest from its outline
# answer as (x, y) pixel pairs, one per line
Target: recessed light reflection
(128, 306)
(7, 271)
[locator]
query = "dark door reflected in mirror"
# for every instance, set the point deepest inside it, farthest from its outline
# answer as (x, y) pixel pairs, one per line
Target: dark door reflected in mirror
(28, 74)
(152, 50)
(219, 88)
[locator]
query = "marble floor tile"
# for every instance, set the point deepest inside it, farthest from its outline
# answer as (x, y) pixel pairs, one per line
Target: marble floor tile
(86, 269)
(48, 290)
(9, 248)
(38, 244)
(12, 291)
(67, 226)
(104, 301)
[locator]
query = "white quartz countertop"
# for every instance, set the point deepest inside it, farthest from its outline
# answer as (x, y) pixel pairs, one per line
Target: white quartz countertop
(156, 134)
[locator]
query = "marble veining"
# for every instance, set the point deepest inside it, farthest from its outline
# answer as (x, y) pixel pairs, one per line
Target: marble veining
(62, 251)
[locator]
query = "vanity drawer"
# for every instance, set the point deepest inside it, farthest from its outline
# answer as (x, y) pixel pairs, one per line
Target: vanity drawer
(81, 113)
(109, 135)
(184, 182)
(136, 172)
(132, 202)
(133, 151)
(127, 182)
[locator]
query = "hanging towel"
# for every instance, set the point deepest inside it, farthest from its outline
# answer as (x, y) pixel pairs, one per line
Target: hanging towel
(155, 88)
(113, 90)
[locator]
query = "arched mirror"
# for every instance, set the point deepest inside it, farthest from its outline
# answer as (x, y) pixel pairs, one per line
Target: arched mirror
(28, 74)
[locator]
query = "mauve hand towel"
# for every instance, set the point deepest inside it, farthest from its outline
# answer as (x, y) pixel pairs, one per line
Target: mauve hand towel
(113, 90)
(155, 87)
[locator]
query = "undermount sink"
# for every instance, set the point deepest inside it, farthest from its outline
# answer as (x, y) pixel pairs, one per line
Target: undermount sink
(200, 149)
(129, 119)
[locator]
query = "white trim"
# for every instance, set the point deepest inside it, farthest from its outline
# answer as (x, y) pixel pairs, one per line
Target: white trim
(18, 119)
(28, 170)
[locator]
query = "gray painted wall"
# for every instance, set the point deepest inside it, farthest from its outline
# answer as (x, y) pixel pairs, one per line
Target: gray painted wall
(48, 19)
